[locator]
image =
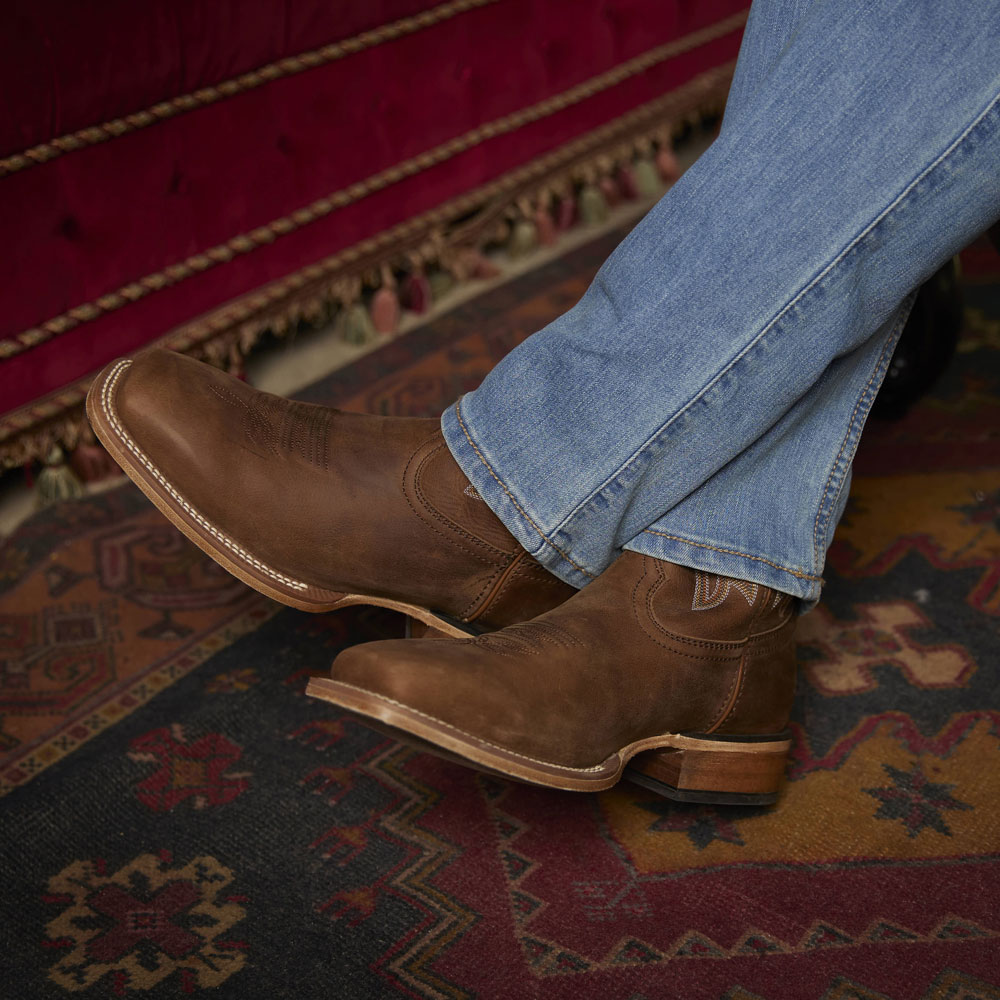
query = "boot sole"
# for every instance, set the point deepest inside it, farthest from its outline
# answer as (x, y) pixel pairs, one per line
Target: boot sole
(227, 552)
(694, 768)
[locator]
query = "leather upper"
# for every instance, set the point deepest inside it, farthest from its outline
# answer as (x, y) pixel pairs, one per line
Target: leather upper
(648, 648)
(342, 501)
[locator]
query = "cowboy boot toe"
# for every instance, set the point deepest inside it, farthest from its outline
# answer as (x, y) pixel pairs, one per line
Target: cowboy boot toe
(683, 676)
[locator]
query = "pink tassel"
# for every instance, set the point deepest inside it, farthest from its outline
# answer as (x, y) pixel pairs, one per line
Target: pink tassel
(237, 365)
(626, 182)
(667, 164)
(478, 265)
(386, 310)
(90, 461)
(385, 305)
(566, 212)
(610, 190)
(545, 226)
(416, 292)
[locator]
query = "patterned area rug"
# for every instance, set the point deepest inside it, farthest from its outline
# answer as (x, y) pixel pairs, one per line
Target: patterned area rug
(179, 819)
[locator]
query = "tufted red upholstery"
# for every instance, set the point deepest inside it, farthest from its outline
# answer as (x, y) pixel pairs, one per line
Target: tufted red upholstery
(90, 221)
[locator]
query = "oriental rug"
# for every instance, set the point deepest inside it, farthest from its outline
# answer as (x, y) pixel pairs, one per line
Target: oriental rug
(180, 820)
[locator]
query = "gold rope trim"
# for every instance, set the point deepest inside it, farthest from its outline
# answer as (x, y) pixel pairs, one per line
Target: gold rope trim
(289, 66)
(248, 242)
(29, 432)
(424, 232)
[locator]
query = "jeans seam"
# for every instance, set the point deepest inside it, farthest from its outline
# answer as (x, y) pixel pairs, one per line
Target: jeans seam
(835, 480)
(772, 323)
(733, 552)
(511, 497)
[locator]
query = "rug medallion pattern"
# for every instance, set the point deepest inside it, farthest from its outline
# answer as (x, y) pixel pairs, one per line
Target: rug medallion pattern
(179, 819)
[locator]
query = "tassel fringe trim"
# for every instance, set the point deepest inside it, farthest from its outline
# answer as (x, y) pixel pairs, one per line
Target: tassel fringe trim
(365, 289)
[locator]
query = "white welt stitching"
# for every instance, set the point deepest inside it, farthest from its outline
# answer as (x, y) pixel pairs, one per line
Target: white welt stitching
(106, 394)
(462, 732)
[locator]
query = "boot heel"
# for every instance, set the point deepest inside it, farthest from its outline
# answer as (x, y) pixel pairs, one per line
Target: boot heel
(725, 771)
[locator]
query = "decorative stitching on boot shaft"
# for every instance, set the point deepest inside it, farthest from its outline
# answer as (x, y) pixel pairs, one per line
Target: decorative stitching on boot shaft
(494, 559)
(711, 590)
(739, 681)
(720, 646)
(492, 551)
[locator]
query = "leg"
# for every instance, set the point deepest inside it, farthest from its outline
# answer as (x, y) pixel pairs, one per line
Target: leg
(700, 409)
(864, 159)
(357, 509)
(770, 26)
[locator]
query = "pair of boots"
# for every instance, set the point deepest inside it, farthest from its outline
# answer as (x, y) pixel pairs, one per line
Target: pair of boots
(682, 677)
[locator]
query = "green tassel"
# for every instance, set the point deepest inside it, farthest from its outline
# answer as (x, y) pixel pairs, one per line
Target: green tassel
(647, 179)
(523, 238)
(354, 324)
(441, 282)
(593, 207)
(56, 481)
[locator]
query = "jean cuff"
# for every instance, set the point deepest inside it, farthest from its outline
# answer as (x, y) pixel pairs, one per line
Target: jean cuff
(514, 511)
(728, 562)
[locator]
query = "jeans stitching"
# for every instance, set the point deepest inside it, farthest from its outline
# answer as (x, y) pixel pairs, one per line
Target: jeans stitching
(814, 283)
(733, 552)
(853, 434)
(510, 496)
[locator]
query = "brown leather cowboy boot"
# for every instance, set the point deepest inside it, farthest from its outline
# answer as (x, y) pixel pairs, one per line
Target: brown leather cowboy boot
(683, 677)
(316, 508)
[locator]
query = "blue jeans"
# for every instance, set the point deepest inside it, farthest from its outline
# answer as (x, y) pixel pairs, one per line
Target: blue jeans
(703, 402)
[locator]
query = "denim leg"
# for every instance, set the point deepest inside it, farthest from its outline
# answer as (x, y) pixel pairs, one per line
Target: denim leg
(760, 488)
(703, 400)
(768, 30)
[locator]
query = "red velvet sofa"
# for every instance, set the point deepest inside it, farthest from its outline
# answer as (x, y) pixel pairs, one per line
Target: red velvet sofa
(195, 173)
